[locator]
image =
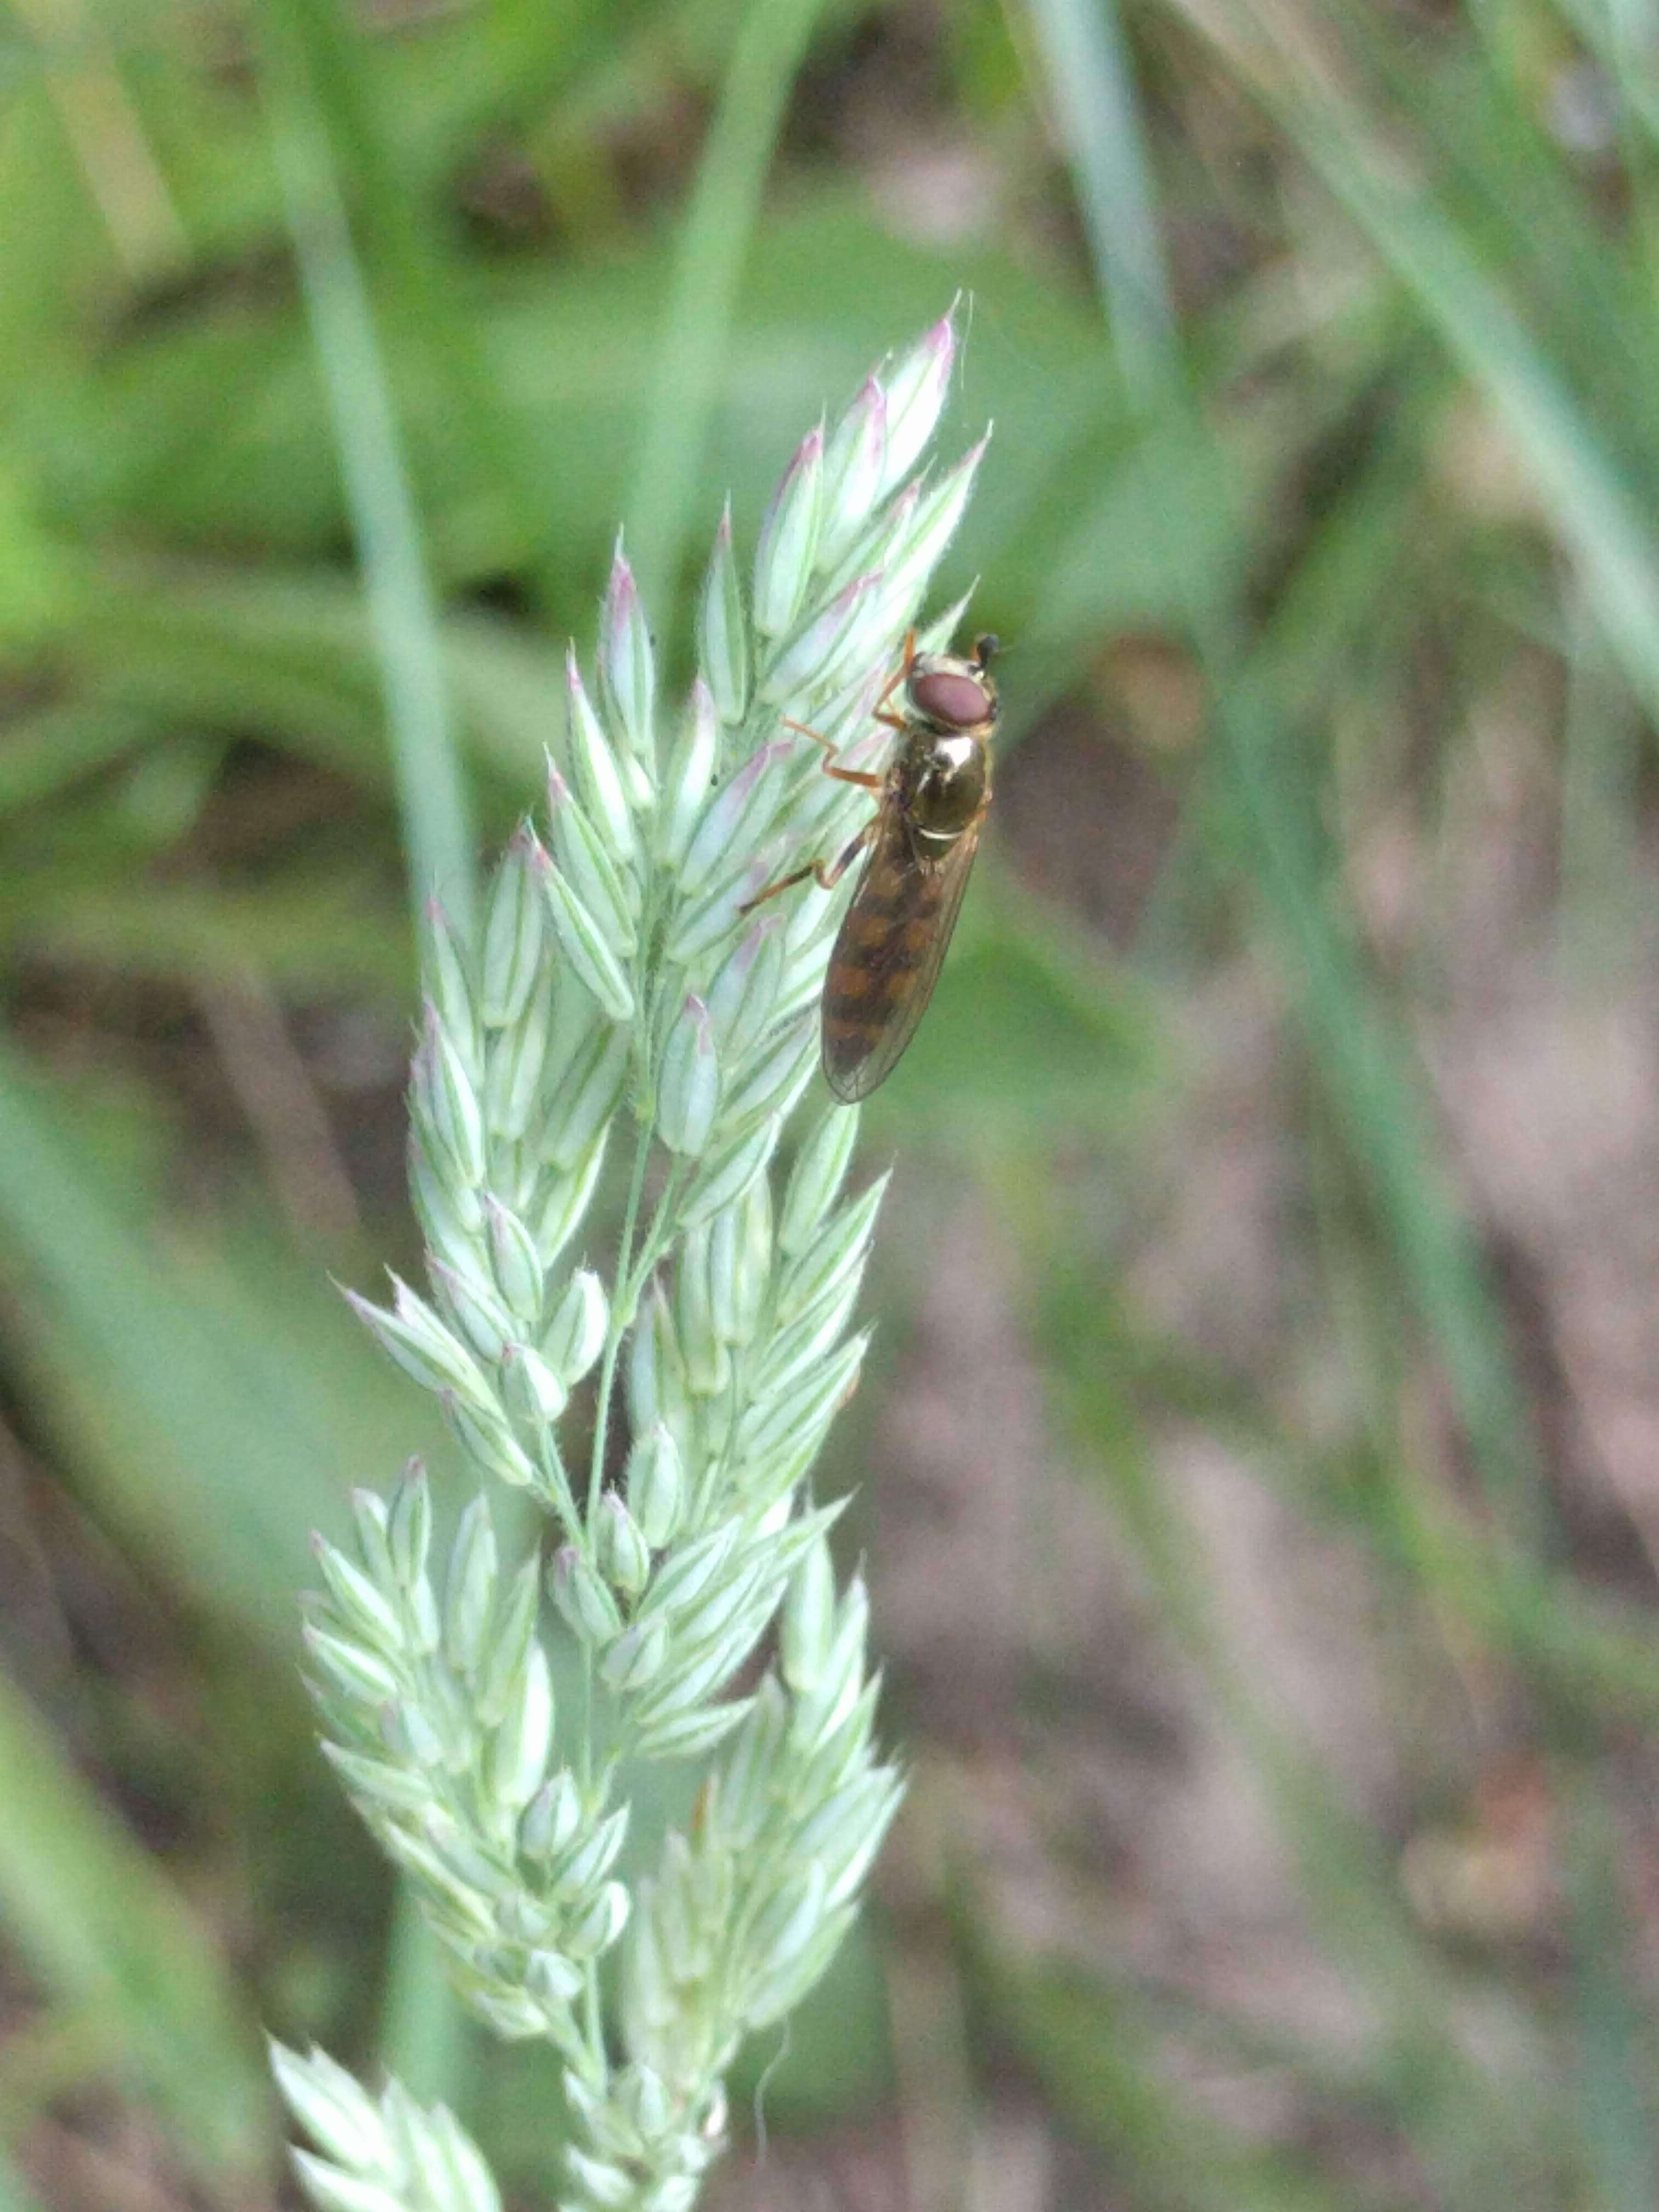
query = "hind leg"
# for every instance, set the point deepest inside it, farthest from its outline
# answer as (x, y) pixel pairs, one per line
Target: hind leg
(825, 878)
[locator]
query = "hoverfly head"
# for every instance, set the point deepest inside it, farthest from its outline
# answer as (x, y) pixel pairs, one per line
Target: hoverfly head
(950, 695)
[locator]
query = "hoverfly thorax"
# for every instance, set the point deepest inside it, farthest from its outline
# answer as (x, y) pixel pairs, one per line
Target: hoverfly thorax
(942, 781)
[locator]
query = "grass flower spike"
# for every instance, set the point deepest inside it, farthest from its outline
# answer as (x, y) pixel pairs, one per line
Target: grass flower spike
(621, 1009)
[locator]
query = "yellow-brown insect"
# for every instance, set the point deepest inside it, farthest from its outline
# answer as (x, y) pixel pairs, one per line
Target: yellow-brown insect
(923, 836)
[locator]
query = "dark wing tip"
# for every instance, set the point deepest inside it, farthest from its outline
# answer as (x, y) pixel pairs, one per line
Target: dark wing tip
(850, 1081)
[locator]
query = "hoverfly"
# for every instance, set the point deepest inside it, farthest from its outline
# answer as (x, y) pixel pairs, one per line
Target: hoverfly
(922, 839)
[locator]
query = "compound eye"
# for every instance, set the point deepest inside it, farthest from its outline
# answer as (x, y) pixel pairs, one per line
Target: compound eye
(956, 702)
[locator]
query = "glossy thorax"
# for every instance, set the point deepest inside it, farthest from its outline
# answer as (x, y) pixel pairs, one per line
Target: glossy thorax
(942, 773)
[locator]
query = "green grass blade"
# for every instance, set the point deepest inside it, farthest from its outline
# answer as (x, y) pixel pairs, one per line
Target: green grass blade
(1616, 2105)
(105, 1932)
(16, 2195)
(1365, 1060)
(219, 1411)
(1480, 2132)
(292, 658)
(46, 753)
(1601, 888)
(720, 224)
(422, 2039)
(424, 280)
(1600, 522)
(218, 1426)
(1090, 84)
(1098, 2066)
(1369, 1069)
(431, 788)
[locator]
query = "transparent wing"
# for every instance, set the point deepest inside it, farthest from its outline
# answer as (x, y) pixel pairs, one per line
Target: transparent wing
(887, 956)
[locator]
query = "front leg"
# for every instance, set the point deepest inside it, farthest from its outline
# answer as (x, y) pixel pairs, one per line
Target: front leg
(907, 662)
(858, 776)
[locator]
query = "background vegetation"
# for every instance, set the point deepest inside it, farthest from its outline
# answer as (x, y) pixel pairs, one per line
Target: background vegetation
(1262, 1464)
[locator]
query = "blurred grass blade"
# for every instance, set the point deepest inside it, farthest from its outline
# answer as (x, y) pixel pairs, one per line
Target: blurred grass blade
(220, 1418)
(1620, 34)
(1602, 526)
(431, 788)
(715, 240)
(292, 658)
(104, 1931)
(1090, 84)
(219, 1426)
(122, 176)
(16, 2195)
(48, 752)
(1487, 2133)
(1368, 1067)
(1599, 520)
(424, 277)
(1617, 2106)
(1272, 826)
(1602, 893)
(1097, 2066)
(1363, 1058)
(422, 2036)
(1479, 2130)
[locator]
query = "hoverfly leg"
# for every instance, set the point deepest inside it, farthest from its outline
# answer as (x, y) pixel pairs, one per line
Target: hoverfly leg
(893, 682)
(826, 878)
(863, 781)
